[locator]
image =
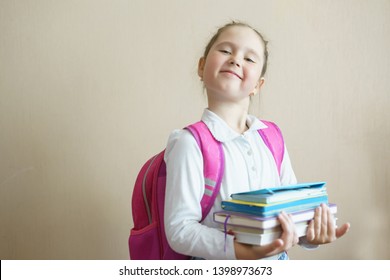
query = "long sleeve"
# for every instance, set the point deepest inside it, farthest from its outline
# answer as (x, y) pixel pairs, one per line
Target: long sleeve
(184, 191)
(287, 175)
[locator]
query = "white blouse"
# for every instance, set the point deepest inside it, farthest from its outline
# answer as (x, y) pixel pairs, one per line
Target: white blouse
(249, 165)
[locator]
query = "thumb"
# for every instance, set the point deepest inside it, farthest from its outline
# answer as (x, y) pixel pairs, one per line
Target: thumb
(273, 248)
(342, 230)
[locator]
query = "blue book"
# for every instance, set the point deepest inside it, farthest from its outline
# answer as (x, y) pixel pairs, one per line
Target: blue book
(254, 221)
(282, 193)
(273, 209)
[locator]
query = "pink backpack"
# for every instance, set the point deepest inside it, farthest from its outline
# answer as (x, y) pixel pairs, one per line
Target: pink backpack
(147, 240)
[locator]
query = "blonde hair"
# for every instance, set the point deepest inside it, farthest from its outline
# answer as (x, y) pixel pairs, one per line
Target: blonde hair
(234, 23)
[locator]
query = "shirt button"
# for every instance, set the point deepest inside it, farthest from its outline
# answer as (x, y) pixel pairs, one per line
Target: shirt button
(253, 168)
(249, 153)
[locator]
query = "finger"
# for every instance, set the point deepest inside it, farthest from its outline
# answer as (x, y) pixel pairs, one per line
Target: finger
(317, 222)
(284, 221)
(289, 234)
(295, 237)
(331, 225)
(286, 224)
(342, 230)
(324, 221)
(284, 217)
(310, 231)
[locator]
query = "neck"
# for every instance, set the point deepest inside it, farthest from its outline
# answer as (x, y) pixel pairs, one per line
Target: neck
(233, 114)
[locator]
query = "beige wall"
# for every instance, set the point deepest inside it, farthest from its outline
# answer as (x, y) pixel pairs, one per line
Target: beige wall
(90, 89)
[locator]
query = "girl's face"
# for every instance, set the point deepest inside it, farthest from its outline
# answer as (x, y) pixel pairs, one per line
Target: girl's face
(232, 68)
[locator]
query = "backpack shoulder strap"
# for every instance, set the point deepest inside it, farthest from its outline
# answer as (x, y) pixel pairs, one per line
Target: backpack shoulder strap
(214, 161)
(273, 138)
(213, 164)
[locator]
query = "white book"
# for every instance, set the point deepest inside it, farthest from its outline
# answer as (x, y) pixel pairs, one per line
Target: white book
(265, 238)
(277, 229)
(262, 237)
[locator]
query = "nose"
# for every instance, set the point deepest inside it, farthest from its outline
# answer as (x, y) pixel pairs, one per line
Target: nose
(234, 61)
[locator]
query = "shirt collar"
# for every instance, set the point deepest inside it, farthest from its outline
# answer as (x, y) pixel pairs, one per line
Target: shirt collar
(222, 132)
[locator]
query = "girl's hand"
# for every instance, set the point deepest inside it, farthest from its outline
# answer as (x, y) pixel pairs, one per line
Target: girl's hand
(289, 236)
(322, 230)
(288, 239)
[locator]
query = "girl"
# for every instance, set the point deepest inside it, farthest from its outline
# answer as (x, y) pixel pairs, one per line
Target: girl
(232, 70)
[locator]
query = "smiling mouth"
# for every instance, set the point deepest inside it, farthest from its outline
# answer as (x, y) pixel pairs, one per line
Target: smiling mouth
(232, 73)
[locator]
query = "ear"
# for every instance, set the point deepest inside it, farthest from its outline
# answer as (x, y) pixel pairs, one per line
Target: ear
(258, 86)
(201, 64)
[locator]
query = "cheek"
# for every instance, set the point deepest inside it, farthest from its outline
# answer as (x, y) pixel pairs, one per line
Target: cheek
(253, 74)
(211, 63)
(210, 68)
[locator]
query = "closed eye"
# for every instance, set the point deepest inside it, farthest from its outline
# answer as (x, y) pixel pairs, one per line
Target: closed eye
(250, 60)
(225, 51)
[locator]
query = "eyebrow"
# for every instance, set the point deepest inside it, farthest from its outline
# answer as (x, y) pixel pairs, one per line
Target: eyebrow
(230, 44)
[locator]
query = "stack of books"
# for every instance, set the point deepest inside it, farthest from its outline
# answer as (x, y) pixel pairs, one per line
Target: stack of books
(252, 216)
